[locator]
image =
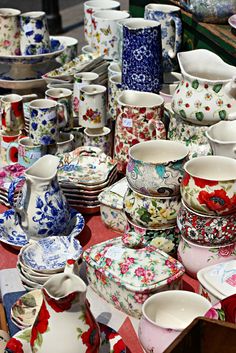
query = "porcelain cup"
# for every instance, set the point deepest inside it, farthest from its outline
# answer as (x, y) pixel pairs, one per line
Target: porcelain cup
(208, 185)
(222, 138)
(114, 91)
(138, 118)
(169, 17)
(92, 106)
(165, 315)
(81, 79)
(71, 48)
(99, 138)
(6, 139)
(45, 121)
(34, 38)
(64, 97)
(9, 31)
(12, 115)
(89, 8)
(64, 144)
(106, 33)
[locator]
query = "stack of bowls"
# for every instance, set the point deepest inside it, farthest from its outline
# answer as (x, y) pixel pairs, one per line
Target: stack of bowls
(152, 201)
(40, 260)
(207, 217)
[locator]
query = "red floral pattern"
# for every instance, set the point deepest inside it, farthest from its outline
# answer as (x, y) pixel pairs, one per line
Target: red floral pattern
(91, 338)
(41, 324)
(202, 183)
(14, 346)
(229, 307)
(186, 179)
(217, 200)
(62, 304)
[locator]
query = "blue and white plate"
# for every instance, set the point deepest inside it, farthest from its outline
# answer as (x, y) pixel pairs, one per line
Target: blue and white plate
(12, 234)
(51, 253)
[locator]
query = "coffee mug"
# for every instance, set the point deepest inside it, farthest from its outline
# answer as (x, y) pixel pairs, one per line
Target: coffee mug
(28, 153)
(45, 121)
(62, 96)
(92, 107)
(6, 139)
(9, 31)
(12, 115)
(34, 37)
(100, 138)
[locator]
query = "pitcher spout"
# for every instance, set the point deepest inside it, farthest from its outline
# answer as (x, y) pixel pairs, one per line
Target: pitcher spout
(44, 168)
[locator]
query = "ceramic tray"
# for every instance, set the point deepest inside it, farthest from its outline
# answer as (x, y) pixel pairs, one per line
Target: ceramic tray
(22, 84)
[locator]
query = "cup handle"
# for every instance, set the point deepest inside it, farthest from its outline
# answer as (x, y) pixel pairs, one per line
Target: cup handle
(178, 37)
(65, 120)
(159, 127)
(8, 151)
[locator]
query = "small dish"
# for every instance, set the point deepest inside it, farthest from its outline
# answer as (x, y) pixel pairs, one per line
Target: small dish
(232, 21)
(12, 234)
(50, 254)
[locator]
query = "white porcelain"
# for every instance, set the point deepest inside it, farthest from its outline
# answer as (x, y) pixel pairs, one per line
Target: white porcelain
(165, 315)
(222, 138)
(34, 278)
(87, 49)
(101, 138)
(9, 31)
(113, 69)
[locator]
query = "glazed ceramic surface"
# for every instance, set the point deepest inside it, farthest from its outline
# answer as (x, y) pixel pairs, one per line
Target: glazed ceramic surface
(105, 33)
(223, 310)
(8, 174)
(151, 211)
(221, 137)
(12, 115)
(204, 95)
(125, 278)
(42, 209)
(165, 315)
(205, 229)
(113, 69)
(89, 8)
(155, 168)
(9, 31)
(92, 106)
(208, 185)
(138, 118)
(100, 138)
(6, 140)
(70, 48)
(194, 257)
(34, 37)
(171, 31)
(114, 91)
(142, 59)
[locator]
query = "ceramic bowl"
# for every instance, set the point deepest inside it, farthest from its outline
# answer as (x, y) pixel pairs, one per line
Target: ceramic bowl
(32, 277)
(155, 168)
(222, 138)
(151, 211)
(194, 257)
(164, 238)
(165, 315)
(204, 229)
(208, 185)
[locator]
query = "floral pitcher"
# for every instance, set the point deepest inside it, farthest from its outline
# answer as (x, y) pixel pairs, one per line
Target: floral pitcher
(42, 209)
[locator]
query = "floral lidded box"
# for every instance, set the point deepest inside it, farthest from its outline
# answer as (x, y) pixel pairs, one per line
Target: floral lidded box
(111, 205)
(126, 277)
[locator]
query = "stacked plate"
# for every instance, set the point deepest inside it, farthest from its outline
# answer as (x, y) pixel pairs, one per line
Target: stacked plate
(7, 175)
(41, 259)
(83, 174)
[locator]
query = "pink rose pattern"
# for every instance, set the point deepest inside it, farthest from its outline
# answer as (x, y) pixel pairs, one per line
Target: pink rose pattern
(9, 173)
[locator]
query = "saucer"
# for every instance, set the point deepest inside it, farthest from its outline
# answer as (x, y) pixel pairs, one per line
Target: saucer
(12, 234)
(111, 341)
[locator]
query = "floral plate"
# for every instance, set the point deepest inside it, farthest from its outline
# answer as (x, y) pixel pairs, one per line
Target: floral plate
(12, 234)
(224, 310)
(111, 341)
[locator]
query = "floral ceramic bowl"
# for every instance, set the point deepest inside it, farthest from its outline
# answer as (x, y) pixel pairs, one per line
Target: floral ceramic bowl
(194, 257)
(164, 238)
(205, 229)
(155, 168)
(208, 185)
(224, 310)
(151, 211)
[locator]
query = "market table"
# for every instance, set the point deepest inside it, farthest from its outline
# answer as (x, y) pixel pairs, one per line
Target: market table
(96, 232)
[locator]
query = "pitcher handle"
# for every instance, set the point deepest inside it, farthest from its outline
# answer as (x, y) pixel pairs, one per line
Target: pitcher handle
(12, 188)
(178, 37)
(159, 127)
(12, 144)
(62, 106)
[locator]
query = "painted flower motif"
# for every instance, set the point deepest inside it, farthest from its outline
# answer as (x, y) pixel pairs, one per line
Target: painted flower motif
(202, 183)
(38, 38)
(228, 305)
(148, 275)
(41, 324)
(226, 251)
(212, 314)
(39, 24)
(205, 295)
(189, 94)
(139, 271)
(216, 200)
(197, 104)
(140, 297)
(208, 96)
(186, 179)
(61, 304)
(124, 268)
(219, 102)
(14, 346)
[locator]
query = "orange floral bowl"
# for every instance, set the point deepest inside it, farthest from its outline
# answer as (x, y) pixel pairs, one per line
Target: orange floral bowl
(209, 185)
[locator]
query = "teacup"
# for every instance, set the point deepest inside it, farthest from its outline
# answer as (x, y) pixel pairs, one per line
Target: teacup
(34, 38)
(166, 314)
(45, 121)
(6, 139)
(99, 138)
(222, 138)
(71, 47)
(9, 31)
(63, 96)
(12, 115)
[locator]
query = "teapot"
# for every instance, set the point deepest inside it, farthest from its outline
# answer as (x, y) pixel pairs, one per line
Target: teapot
(206, 94)
(42, 208)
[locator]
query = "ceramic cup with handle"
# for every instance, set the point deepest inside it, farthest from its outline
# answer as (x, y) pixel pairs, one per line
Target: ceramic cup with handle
(34, 38)
(169, 17)
(9, 31)
(12, 115)
(63, 96)
(45, 121)
(71, 47)
(6, 140)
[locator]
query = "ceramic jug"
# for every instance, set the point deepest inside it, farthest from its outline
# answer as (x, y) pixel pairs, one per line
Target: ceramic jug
(206, 93)
(42, 209)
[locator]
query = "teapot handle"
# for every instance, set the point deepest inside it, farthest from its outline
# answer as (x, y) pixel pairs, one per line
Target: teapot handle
(178, 37)
(12, 188)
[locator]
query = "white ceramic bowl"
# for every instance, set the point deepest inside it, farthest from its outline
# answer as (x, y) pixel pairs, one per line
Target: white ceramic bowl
(222, 138)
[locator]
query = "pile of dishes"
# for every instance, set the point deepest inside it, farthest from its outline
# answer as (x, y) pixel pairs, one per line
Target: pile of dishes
(83, 174)
(7, 175)
(40, 260)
